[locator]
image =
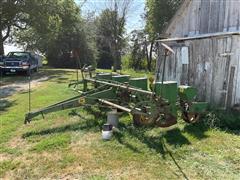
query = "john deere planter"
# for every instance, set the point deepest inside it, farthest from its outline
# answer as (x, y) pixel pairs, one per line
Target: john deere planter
(156, 107)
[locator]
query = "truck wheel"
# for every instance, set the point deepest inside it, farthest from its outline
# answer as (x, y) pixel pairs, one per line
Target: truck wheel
(28, 73)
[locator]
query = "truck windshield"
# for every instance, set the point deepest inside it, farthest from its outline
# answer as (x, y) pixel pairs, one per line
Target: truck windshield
(18, 55)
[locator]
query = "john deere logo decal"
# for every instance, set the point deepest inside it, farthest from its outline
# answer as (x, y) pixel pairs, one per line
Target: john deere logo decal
(181, 90)
(81, 100)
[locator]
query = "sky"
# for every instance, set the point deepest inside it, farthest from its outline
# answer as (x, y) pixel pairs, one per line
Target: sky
(134, 20)
(136, 10)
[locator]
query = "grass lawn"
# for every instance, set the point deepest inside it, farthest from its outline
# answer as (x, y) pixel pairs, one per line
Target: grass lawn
(70, 146)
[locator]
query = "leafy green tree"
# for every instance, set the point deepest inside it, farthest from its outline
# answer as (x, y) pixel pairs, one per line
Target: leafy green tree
(9, 16)
(138, 49)
(105, 39)
(23, 14)
(90, 30)
(158, 14)
(57, 34)
(110, 31)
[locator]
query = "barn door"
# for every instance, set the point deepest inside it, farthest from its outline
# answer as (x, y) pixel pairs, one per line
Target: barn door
(237, 93)
(223, 74)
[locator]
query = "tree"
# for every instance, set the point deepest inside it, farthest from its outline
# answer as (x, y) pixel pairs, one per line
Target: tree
(22, 14)
(111, 28)
(105, 39)
(90, 29)
(59, 30)
(158, 14)
(139, 50)
(9, 16)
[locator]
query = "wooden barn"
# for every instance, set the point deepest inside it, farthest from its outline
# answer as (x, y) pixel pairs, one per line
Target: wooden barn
(205, 35)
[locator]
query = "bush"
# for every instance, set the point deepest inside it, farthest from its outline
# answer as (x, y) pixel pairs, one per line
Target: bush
(126, 61)
(223, 119)
(44, 61)
(138, 64)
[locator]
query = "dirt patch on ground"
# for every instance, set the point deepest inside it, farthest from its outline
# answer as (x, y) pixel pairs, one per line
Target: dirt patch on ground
(18, 142)
(17, 87)
(4, 157)
(10, 89)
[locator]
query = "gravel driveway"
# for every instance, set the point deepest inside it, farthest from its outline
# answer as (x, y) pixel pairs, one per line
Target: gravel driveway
(16, 87)
(19, 86)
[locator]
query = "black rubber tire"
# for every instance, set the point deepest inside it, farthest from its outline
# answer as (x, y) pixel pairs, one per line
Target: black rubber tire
(28, 72)
(36, 69)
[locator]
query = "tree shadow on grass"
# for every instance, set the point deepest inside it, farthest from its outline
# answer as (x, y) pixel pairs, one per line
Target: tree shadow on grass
(55, 75)
(17, 84)
(5, 104)
(26, 91)
(8, 91)
(62, 80)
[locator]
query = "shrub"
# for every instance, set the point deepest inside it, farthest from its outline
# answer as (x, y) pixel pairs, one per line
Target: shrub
(223, 119)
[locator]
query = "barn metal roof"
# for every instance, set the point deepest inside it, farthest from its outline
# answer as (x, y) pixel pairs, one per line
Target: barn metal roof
(202, 36)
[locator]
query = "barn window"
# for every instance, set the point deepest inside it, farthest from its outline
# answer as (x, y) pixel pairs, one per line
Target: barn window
(185, 55)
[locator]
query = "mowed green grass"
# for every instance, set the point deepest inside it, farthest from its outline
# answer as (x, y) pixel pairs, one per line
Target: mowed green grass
(69, 145)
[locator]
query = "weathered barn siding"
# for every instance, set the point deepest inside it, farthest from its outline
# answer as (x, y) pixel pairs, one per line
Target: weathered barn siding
(210, 64)
(205, 34)
(205, 16)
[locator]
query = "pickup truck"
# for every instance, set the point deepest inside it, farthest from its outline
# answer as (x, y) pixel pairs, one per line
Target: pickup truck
(19, 62)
